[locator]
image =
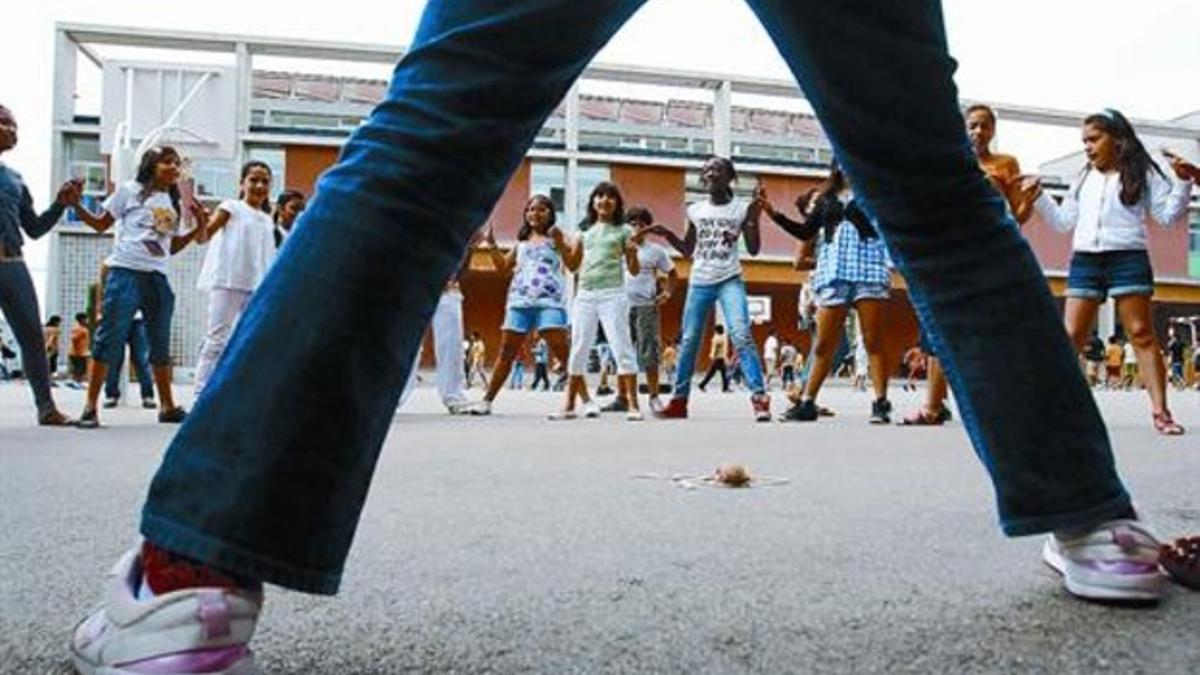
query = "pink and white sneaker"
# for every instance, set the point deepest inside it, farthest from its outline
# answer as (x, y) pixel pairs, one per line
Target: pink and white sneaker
(195, 631)
(1115, 561)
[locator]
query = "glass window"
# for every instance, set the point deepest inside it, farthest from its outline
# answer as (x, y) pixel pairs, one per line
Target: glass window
(586, 178)
(550, 179)
(215, 179)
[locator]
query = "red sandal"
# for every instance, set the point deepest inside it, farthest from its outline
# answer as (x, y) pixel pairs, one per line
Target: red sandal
(1165, 425)
(1182, 561)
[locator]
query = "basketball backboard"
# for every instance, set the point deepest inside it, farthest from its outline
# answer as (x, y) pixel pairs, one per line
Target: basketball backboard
(188, 106)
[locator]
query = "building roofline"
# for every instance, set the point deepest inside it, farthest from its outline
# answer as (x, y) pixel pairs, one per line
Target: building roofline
(85, 33)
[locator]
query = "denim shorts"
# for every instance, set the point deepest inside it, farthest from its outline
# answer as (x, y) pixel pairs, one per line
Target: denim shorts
(525, 319)
(1097, 276)
(125, 292)
(849, 292)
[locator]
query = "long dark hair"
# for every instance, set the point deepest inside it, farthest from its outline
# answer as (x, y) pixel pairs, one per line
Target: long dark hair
(829, 212)
(526, 230)
(285, 198)
(605, 188)
(256, 164)
(145, 174)
(1133, 161)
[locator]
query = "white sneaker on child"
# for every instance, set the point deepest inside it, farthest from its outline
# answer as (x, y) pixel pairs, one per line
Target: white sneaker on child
(185, 632)
(1115, 561)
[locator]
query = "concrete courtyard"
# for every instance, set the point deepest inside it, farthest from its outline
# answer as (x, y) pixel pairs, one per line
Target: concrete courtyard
(513, 545)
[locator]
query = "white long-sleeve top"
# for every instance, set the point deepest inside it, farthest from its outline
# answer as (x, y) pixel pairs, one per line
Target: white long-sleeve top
(1102, 223)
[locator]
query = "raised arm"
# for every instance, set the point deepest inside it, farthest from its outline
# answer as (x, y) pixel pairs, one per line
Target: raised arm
(750, 230)
(800, 229)
(1169, 199)
(1061, 217)
(99, 222)
(631, 253)
(571, 251)
(199, 232)
(685, 246)
(35, 224)
(503, 261)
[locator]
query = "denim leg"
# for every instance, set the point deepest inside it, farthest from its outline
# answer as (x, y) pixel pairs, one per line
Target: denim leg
(18, 300)
(112, 381)
(736, 308)
(139, 358)
(268, 475)
(879, 78)
(696, 308)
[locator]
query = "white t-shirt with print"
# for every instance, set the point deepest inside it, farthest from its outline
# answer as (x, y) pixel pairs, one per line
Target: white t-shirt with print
(716, 256)
(143, 228)
(240, 253)
(642, 288)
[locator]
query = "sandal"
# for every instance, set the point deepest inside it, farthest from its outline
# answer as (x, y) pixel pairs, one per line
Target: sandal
(55, 418)
(923, 418)
(1165, 425)
(1181, 560)
(173, 416)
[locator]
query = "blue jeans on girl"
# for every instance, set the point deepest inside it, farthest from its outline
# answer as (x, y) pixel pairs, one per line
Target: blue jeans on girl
(731, 293)
(268, 474)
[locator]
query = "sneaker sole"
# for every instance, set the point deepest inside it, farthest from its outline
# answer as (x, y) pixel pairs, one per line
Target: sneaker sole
(245, 666)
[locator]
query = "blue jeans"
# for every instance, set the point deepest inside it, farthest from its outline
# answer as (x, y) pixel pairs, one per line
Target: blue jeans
(731, 293)
(139, 352)
(125, 292)
(267, 476)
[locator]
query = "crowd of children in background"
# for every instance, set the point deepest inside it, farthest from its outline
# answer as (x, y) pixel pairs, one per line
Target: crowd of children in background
(622, 279)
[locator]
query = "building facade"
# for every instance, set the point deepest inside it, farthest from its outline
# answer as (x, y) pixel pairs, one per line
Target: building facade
(650, 140)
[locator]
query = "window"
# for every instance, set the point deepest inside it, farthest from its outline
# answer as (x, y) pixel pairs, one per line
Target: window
(86, 164)
(214, 178)
(586, 178)
(550, 179)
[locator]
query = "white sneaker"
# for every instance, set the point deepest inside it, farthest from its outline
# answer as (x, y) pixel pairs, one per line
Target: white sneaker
(634, 416)
(1117, 560)
(591, 410)
(195, 630)
(562, 415)
(480, 407)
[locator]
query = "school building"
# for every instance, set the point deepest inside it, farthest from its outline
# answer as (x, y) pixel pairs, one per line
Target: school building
(239, 97)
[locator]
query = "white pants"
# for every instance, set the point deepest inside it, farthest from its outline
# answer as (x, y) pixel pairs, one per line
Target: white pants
(225, 307)
(447, 327)
(609, 307)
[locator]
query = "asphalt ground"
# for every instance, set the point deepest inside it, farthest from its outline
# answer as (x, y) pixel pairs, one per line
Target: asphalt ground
(511, 544)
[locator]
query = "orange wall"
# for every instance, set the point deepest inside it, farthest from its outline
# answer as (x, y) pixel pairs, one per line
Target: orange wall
(507, 215)
(782, 191)
(659, 189)
(304, 164)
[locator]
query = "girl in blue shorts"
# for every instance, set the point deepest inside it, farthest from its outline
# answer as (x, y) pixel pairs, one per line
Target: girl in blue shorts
(536, 294)
(1119, 190)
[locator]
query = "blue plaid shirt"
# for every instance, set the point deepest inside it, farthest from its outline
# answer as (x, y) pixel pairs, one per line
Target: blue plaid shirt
(849, 258)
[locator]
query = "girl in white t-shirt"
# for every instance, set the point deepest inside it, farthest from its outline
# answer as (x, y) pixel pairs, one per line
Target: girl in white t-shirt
(713, 229)
(241, 247)
(146, 212)
(1120, 190)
